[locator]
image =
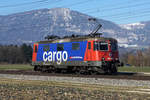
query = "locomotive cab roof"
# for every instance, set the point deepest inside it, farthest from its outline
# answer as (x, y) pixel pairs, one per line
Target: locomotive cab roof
(76, 39)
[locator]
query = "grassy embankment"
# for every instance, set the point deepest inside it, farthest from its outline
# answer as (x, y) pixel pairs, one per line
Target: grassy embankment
(11, 89)
(29, 67)
(134, 69)
(15, 67)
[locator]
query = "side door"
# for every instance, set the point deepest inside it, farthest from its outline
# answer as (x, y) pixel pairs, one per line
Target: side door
(89, 51)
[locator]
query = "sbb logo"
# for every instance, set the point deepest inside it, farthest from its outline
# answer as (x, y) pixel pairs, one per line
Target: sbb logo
(58, 56)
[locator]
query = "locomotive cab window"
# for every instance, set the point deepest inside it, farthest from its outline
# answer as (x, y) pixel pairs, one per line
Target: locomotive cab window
(102, 45)
(60, 47)
(114, 46)
(75, 46)
(96, 47)
(89, 45)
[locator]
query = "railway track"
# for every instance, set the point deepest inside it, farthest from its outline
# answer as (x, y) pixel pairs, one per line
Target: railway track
(119, 75)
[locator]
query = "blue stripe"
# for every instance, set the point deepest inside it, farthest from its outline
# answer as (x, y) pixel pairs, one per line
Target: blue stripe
(73, 55)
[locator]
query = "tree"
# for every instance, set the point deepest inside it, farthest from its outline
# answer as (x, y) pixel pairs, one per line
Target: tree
(131, 59)
(15, 54)
(27, 52)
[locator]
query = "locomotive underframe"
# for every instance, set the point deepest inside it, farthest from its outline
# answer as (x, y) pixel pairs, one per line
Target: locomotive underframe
(78, 66)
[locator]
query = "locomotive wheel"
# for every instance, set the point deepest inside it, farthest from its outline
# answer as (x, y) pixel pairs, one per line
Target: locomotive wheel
(44, 69)
(93, 73)
(63, 71)
(80, 71)
(107, 69)
(51, 69)
(77, 72)
(113, 68)
(35, 68)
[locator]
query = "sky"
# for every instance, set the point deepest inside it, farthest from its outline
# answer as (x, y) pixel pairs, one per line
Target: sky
(118, 11)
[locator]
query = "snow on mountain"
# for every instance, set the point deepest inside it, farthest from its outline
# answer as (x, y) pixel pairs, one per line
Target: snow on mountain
(133, 26)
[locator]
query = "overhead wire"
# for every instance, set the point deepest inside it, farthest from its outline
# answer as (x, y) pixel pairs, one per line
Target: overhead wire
(127, 13)
(112, 8)
(118, 8)
(123, 15)
(133, 16)
(107, 5)
(44, 1)
(22, 4)
(77, 3)
(123, 18)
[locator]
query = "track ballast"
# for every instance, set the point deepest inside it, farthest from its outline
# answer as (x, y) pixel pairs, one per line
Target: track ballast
(119, 75)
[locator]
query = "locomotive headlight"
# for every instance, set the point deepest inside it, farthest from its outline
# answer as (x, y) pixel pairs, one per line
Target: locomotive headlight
(117, 59)
(109, 58)
(103, 59)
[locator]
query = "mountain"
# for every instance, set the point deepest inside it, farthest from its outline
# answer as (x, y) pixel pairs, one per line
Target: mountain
(32, 26)
(140, 31)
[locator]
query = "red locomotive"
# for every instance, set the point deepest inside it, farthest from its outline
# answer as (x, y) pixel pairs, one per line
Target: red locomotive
(80, 54)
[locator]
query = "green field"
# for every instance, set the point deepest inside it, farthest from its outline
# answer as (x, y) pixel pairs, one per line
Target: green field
(29, 67)
(15, 67)
(134, 69)
(11, 89)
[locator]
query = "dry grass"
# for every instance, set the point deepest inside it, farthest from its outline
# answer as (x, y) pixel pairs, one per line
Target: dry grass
(43, 90)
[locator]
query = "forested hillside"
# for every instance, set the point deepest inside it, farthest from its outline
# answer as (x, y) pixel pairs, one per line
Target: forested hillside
(12, 54)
